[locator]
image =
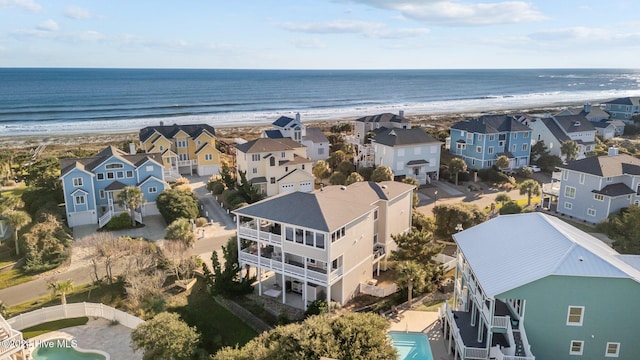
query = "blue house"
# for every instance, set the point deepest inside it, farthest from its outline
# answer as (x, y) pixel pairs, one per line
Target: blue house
(481, 141)
(91, 185)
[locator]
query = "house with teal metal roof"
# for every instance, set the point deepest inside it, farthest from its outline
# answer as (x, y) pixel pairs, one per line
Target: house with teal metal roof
(532, 286)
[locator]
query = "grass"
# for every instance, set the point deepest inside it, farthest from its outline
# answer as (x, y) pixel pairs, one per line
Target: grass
(217, 326)
(430, 305)
(13, 193)
(13, 277)
(34, 331)
(112, 295)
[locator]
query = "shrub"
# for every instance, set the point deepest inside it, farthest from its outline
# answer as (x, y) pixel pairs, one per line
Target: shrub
(493, 175)
(181, 181)
(216, 187)
(366, 172)
(201, 221)
(174, 204)
(510, 207)
(317, 307)
(119, 222)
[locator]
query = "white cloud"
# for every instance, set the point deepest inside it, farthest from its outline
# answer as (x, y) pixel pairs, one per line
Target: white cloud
(585, 34)
(22, 4)
(48, 25)
(334, 27)
(77, 13)
(398, 33)
(447, 12)
(73, 37)
(308, 43)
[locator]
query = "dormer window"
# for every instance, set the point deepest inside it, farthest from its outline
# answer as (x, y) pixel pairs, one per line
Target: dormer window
(114, 166)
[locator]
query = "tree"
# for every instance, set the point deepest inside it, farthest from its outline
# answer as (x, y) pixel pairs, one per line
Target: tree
(457, 165)
(503, 198)
(569, 149)
(366, 172)
(44, 173)
(249, 192)
(382, 173)
(215, 185)
(225, 279)
(62, 288)
(228, 177)
(321, 170)
(410, 275)
(337, 178)
(529, 187)
(165, 337)
(353, 336)
(448, 216)
(548, 163)
(336, 158)
(411, 181)
(354, 177)
(17, 219)
(420, 247)
(502, 162)
(345, 167)
(181, 231)
(511, 207)
(537, 150)
(132, 198)
(623, 228)
(174, 204)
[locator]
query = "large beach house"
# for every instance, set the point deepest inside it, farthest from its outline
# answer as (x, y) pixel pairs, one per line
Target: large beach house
(623, 108)
(185, 149)
(313, 138)
(91, 185)
(324, 244)
(482, 140)
(276, 165)
(554, 130)
(593, 188)
(408, 152)
(365, 127)
(532, 285)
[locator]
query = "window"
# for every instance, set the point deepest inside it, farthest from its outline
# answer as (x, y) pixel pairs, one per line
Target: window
(598, 197)
(184, 156)
(575, 315)
(254, 170)
(515, 135)
(119, 174)
(114, 166)
(320, 151)
(526, 135)
(161, 148)
(149, 167)
(492, 137)
(152, 189)
(461, 146)
(283, 154)
(272, 161)
(513, 147)
(102, 194)
(208, 157)
(500, 143)
(302, 166)
(288, 234)
(490, 150)
(479, 149)
(129, 173)
(198, 143)
(565, 175)
(308, 238)
(375, 214)
(77, 182)
(110, 175)
(568, 205)
(181, 143)
(320, 240)
(570, 192)
(255, 157)
(609, 179)
(525, 147)
(479, 136)
(613, 349)
(591, 212)
(272, 180)
(582, 177)
(100, 176)
(80, 199)
(338, 234)
(576, 347)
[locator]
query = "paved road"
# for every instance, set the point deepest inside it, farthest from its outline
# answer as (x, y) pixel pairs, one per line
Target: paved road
(217, 234)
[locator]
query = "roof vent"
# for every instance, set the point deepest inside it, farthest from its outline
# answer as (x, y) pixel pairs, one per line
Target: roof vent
(392, 133)
(343, 187)
(580, 258)
(613, 151)
(383, 186)
(576, 123)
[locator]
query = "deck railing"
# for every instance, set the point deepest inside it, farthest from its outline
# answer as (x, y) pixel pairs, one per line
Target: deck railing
(467, 352)
(104, 219)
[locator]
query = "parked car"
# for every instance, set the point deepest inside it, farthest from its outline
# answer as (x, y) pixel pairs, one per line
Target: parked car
(534, 168)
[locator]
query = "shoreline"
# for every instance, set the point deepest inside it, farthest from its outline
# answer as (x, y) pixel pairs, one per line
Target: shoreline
(441, 120)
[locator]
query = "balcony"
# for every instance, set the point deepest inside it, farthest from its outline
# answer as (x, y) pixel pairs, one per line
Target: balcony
(268, 233)
(273, 261)
(182, 163)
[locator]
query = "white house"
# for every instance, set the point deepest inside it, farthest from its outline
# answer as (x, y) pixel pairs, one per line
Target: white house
(555, 130)
(408, 152)
(313, 138)
(324, 244)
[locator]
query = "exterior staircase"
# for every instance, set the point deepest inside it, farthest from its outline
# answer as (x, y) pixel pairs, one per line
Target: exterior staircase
(517, 338)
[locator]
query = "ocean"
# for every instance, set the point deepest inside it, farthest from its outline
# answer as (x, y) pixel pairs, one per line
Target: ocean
(63, 101)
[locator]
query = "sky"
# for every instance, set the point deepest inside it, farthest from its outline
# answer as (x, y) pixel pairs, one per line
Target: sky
(320, 34)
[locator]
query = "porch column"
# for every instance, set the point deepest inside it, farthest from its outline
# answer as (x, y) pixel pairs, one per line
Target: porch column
(329, 294)
(304, 294)
(284, 289)
(378, 269)
(480, 328)
(450, 336)
(473, 314)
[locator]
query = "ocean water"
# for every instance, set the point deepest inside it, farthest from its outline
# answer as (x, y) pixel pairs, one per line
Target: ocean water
(58, 101)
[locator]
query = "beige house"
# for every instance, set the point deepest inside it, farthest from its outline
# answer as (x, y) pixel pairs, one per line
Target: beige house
(276, 165)
(324, 244)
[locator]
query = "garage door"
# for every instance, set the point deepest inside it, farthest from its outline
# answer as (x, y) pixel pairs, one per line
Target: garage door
(306, 186)
(286, 188)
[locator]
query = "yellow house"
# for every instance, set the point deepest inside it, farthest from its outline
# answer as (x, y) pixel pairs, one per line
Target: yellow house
(185, 149)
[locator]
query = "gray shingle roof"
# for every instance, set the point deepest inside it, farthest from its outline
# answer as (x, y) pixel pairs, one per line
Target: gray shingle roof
(574, 123)
(327, 209)
(89, 164)
(606, 166)
(634, 101)
(614, 190)
(398, 137)
(267, 145)
(491, 124)
(169, 131)
(315, 135)
(386, 117)
(555, 129)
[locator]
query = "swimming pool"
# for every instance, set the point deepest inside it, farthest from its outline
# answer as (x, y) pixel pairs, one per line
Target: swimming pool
(411, 345)
(61, 349)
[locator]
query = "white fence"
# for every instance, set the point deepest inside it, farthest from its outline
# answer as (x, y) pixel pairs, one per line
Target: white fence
(449, 262)
(75, 310)
(378, 291)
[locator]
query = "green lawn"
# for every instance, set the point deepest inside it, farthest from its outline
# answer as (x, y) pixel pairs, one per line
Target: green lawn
(17, 192)
(217, 326)
(13, 277)
(34, 331)
(431, 305)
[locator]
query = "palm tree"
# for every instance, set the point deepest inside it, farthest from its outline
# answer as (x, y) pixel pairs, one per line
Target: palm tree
(17, 220)
(529, 187)
(410, 275)
(62, 288)
(132, 198)
(353, 178)
(456, 165)
(502, 162)
(503, 198)
(181, 231)
(569, 149)
(321, 170)
(382, 173)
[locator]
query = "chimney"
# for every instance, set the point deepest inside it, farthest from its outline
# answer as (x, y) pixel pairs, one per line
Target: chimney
(298, 117)
(401, 113)
(587, 108)
(613, 151)
(161, 123)
(132, 148)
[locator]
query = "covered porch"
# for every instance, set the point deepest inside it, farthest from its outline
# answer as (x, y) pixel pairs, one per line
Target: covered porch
(418, 169)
